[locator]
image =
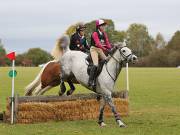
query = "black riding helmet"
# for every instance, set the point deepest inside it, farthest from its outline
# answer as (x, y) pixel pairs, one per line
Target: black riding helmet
(80, 27)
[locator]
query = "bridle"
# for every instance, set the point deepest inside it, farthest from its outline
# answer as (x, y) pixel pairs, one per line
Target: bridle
(118, 63)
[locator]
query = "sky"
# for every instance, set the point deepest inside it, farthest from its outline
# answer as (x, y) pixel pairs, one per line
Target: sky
(27, 24)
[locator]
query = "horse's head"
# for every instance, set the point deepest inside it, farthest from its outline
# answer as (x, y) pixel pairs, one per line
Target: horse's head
(125, 53)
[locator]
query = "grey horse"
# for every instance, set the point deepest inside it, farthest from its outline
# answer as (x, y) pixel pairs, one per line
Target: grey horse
(74, 64)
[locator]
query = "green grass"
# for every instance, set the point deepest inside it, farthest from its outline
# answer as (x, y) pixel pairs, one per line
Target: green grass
(154, 105)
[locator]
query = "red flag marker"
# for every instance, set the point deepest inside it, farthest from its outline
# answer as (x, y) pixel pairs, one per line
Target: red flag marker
(11, 56)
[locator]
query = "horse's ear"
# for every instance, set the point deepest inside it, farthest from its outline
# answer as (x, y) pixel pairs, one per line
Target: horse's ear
(116, 47)
(120, 44)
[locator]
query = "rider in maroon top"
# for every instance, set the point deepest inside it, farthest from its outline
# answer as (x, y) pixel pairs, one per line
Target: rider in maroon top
(99, 45)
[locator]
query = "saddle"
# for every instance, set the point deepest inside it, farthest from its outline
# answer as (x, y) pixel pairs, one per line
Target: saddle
(89, 62)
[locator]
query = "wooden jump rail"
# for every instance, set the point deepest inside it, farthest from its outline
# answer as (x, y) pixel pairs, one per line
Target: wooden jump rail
(31, 109)
(122, 94)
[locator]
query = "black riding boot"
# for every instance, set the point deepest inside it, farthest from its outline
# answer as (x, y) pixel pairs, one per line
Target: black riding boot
(92, 77)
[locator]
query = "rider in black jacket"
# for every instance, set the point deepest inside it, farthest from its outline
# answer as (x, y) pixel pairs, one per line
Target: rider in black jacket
(78, 40)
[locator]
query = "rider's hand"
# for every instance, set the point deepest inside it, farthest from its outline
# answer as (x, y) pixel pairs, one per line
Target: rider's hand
(104, 49)
(87, 51)
(108, 50)
(82, 49)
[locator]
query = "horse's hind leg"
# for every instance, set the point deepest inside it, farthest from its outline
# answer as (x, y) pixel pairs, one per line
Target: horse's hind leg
(41, 92)
(28, 92)
(108, 99)
(72, 88)
(30, 88)
(38, 89)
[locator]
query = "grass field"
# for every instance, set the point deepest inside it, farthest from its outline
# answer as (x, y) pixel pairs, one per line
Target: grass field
(154, 105)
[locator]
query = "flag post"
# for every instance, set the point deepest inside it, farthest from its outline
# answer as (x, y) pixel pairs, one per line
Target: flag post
(12, 74)
(127, 78)
(12, 96)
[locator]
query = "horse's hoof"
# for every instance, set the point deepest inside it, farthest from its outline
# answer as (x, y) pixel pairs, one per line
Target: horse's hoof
(60, 94)
(98, 98)
(69, 92)
(121, 124)
(28, 94)
(102, 124)
(93, 87)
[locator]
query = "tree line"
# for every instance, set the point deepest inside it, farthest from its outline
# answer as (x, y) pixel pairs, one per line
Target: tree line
(167, 56)
(154, 52)
(33, 57)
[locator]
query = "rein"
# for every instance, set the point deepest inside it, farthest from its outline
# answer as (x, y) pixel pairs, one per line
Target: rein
(117, 62)
(120, 63)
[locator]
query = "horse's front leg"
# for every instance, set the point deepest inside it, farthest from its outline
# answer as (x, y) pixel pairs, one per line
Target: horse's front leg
(62, 85)
(72, 87)
(62, 88)
(101, 113)
(109, 100)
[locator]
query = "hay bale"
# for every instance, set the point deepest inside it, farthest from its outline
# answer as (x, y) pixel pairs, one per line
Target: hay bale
(57, 109)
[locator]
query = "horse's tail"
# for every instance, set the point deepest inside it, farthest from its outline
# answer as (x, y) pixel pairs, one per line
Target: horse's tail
(29, 88)
(60, 48)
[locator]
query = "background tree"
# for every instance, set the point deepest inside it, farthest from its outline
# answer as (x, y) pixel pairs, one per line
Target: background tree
(2, 49)
(71, 29)
(169, 56)
(159, 41)
(3, 60)
(118, 36)
(2, 55)
(21, 60)
(139, 40)
(173, 48)
(174, 43)
(38, 56)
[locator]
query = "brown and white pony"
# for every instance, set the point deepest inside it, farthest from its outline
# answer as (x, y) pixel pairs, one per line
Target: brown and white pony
(49, 76)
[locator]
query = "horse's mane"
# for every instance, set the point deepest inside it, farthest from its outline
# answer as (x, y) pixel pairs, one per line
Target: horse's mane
(58, 49)
(115, 46)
